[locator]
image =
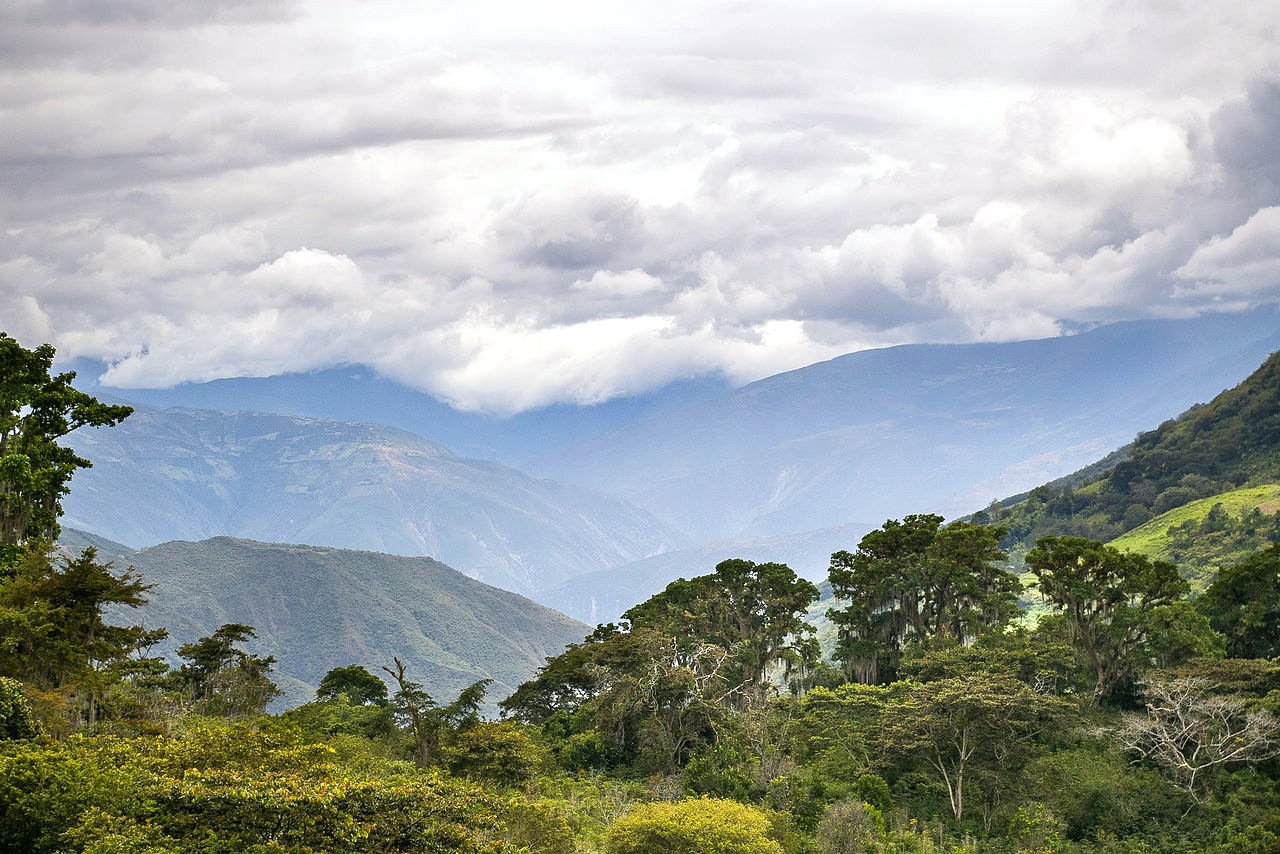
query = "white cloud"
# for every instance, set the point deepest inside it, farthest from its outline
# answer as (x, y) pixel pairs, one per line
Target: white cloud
(1243, 263)
(509, 206)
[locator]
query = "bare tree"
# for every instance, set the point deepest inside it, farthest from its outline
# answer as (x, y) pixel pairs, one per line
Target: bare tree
(1193, 732)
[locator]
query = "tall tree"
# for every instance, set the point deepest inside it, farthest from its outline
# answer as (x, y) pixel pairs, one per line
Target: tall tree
(914, 581)
(978, 727)
(358, 685)
(223, 679)
(37, 409)
(1244, 604)
(53, 626)
(427, 722)
(754, 612)
(638, 695)
(1114, 602)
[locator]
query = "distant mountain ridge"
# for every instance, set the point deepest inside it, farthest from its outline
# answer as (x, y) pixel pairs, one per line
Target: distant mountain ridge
(357, 393)
(940, 428)
(317, 608)
(169, 474)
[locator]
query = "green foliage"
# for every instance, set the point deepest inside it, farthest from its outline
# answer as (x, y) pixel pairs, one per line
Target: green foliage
(1039, 659)
(723, 770)
(834, 731)
(1244, 604)
(222, 679)
(429, 725)
(916, 582)
(324, 718)
(754, 612)
(850, 827)
(1098, 793)
(650, 700)
(15, 712)
(355, 683)
(1115, 604)
(37, 409)
(1204, 536)
(501, 753)
(701, 826)
(55, 635)
(537, 826)
(230, 789)
(1035, 830)
(975, 731)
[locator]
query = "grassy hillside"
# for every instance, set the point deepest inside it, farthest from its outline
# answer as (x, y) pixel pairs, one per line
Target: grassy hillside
(317, 608)
(1218, 448)
(1205, 535)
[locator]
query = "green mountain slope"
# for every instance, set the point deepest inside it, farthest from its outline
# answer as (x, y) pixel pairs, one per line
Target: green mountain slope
(1205, 535)
(317, 608)
(1211, 450)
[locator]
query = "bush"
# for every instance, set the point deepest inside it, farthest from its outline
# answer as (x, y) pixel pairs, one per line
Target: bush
(703, 826)
(499, 752)
(850, 827)
(538, 826)
(15, 714)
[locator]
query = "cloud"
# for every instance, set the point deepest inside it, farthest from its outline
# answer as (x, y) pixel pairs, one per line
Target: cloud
(1243, 263)
(509, 208)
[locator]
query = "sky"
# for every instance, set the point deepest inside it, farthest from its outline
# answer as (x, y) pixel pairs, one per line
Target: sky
(510, 205)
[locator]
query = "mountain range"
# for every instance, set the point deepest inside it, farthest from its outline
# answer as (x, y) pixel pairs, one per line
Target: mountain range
(318, 608)
(787, 469)
(938, 428)
(169, 474)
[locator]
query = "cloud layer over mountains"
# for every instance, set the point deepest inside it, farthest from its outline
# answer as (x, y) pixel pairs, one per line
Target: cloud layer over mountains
(509, 205)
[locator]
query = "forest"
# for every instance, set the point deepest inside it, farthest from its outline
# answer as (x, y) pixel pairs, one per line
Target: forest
(1120, 714)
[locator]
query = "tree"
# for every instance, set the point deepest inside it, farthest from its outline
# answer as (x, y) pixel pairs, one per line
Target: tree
(223, 679)
(1193, 733)
(637, 696)
(969, 727)
(359, 686)
(1114, 602)
(427, 721)
(1244, 604)
(53, 627)
(754, 612)
(915, 582)
(37, 409)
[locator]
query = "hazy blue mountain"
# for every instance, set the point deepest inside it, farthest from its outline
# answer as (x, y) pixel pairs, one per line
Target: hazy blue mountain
(944, 428)
(356, 393)
(166, 474)
(601, 597)
(318, 608)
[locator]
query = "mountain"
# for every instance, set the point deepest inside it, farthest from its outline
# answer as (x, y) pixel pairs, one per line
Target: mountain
(318, 608)
(358, 393)
(942, 428)
(1210, 451)
(601, 597)
(166, 474)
